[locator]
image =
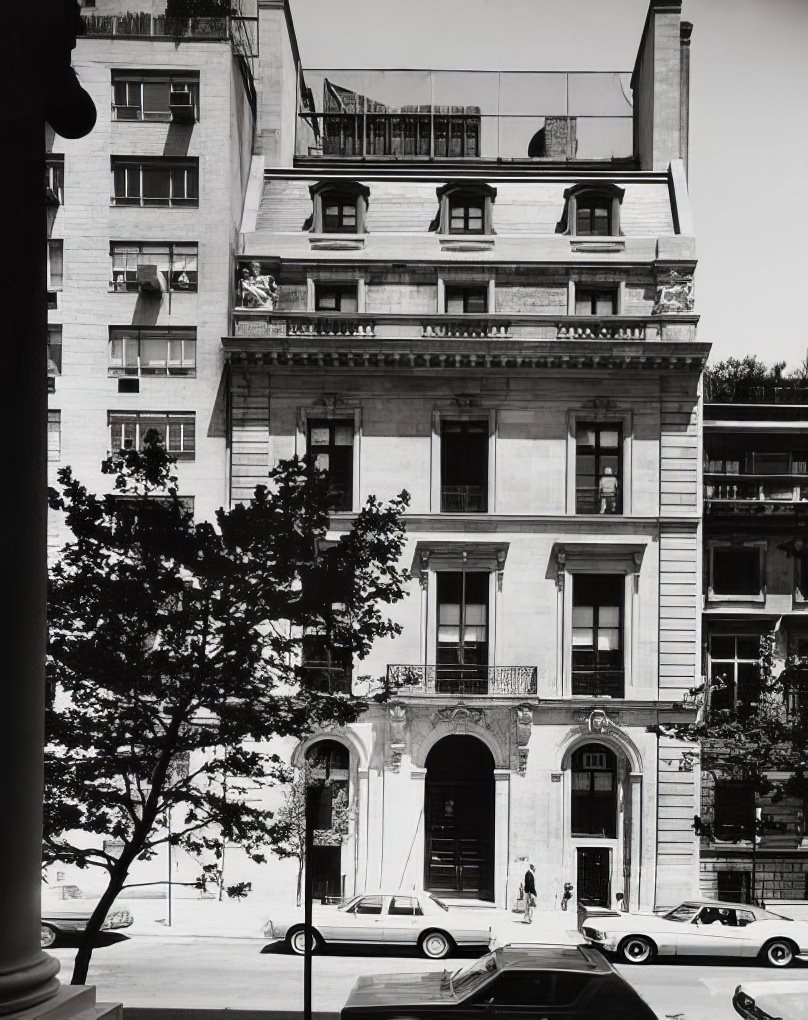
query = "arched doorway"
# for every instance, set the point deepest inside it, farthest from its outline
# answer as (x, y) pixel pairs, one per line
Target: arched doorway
(327, 766)
(594, 821)
(459, 819)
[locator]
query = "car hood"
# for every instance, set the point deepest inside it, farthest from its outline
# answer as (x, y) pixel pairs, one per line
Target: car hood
(401, 990)
(785, 998)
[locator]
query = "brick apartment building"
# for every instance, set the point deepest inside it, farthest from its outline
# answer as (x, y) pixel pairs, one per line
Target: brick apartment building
(476, 286)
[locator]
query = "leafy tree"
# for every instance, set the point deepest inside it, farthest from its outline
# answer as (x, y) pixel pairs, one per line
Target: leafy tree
(752, 737)
(173, 641)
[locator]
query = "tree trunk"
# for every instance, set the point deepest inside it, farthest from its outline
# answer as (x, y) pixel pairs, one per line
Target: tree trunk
(117, 879)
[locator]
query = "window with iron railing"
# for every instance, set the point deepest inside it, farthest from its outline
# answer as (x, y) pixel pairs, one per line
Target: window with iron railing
(464, 466)
(597, 634)
(462, 626)
(598, 468)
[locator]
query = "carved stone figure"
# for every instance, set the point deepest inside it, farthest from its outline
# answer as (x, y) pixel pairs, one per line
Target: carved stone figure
(674, 295)
(598, 721)
(254, 288)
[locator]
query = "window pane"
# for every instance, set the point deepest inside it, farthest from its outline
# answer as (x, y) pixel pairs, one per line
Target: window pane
(583, 616)
(153, 353)
(609, 616)
(155, 96)
(736, 571)
(722, 647)
(322, 461)
(582, 637)
(319, 436)
(585, 437)
(748, 647)
(155, 183)
(343, 435)
(608, 639)
(609, 438)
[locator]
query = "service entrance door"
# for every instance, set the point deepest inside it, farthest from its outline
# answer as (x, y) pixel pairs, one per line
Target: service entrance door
(459, 814)
(594, 876)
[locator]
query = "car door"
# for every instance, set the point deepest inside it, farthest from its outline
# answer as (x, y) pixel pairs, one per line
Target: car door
(714, 931)
(403, 920)
(363, 921)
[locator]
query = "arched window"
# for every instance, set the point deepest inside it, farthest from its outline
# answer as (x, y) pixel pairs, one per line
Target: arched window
(327, 765)
(338, 207)
(591, 210)
(465, 208)
(594, 792)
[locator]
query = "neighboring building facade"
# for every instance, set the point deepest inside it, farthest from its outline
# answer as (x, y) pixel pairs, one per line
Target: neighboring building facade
(476, 287)
(451, 292)
(755, 488)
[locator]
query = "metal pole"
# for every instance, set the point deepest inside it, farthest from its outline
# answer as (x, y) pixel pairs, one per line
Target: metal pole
(312, 803)
(168, 815)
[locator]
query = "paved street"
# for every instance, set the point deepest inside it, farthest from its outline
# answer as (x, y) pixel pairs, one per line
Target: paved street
(215, 973)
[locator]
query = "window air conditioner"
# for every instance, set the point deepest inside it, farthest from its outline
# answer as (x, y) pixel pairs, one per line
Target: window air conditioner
(150, 280)
(181, 104)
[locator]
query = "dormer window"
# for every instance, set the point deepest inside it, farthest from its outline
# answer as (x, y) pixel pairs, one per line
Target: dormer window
(465, 209)
(338, 207)
(591, 211)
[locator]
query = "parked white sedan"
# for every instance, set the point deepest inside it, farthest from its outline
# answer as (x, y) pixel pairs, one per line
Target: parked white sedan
(699, 928)
(396, 919)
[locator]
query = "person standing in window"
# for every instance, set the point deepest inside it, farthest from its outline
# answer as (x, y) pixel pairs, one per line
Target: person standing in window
(530, 894)
(607, 491)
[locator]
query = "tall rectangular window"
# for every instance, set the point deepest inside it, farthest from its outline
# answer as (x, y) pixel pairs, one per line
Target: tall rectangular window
(158, 181)
(464, 300)
(326, 666)
(330, 297)
(736, 570)
(127, 430)
(176, 265)
(462, 652)
(464, 466)
(330, 444)
(597, 634)
(54, 435)
(55, 178)
(734, 810)
(54, 350)
(167, 351)
(595, 302)
(152, 95)
(734, 672)
(598, 468)
(55, 264)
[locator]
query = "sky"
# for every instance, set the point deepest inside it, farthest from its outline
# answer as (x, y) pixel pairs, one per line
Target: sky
(748, 122)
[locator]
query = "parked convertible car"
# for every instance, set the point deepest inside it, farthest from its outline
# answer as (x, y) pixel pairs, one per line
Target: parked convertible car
(700, 928)
(56, 922)
(772, 1000)
(514, 981)
(396, 919)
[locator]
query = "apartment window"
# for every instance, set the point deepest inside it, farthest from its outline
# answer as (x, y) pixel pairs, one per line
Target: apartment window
(339, 208)
(148, 95)
(737, 570)
(594, 792)
(335, 298)
(591, 211)
(55, 264)
(328, 760)
(734, 810)
(466, 300)
(174, 266)
(734, 670)
(598, 468)
(54, 350)
(155, 182)
(167, 351)
(330, 445)
(734, 886)
(595, 302)
(55, 179)
(177, 430)
(54, 435)
(597, 634)
(326, 667)
(464, 209)
(462, 618)
(464, 466)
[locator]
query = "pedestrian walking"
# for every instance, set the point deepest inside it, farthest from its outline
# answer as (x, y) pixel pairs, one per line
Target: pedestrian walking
(530, 893)
(567, 895)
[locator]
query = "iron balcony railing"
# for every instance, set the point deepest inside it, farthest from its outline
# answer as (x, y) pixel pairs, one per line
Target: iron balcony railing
(475, 681)
(598, 683)
(240, 27)
(463, 499)
(493, 326)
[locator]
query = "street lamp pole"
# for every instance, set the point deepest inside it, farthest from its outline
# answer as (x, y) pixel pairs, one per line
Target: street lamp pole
(312, 805)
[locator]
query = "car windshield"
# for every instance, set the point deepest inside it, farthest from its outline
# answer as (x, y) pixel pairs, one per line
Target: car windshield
(440, 903)
(465, 980)
(350, 904)
(684, 912)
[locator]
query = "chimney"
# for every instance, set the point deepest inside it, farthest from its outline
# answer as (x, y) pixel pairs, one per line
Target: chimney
(657, 87)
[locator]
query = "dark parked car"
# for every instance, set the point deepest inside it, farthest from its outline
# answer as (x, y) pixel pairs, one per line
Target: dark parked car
(514, 981)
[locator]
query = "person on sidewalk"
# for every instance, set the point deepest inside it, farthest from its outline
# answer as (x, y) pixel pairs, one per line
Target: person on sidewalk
(530, 893)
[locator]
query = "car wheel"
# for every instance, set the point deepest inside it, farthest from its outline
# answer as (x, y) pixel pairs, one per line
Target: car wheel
(435, 945)
(636, 949)
(296, 940)
(778, 953)
(47, 936)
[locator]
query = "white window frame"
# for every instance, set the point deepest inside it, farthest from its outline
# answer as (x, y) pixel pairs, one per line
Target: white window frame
(177, 82)
(134, 336)
(55, 447)
(473, 414)
(616, 564)
(133, 170)
(715, 544)
(600, 416)
(56, 282)
(135, 250)
(140, 419)
(721, 632)
(354, 414)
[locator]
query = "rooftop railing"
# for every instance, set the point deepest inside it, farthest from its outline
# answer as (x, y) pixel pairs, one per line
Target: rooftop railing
(242, 31)
(513, 115)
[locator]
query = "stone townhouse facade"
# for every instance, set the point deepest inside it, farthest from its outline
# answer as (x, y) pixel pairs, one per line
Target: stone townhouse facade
(755, 485)
(477, 287)
(485, 298)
